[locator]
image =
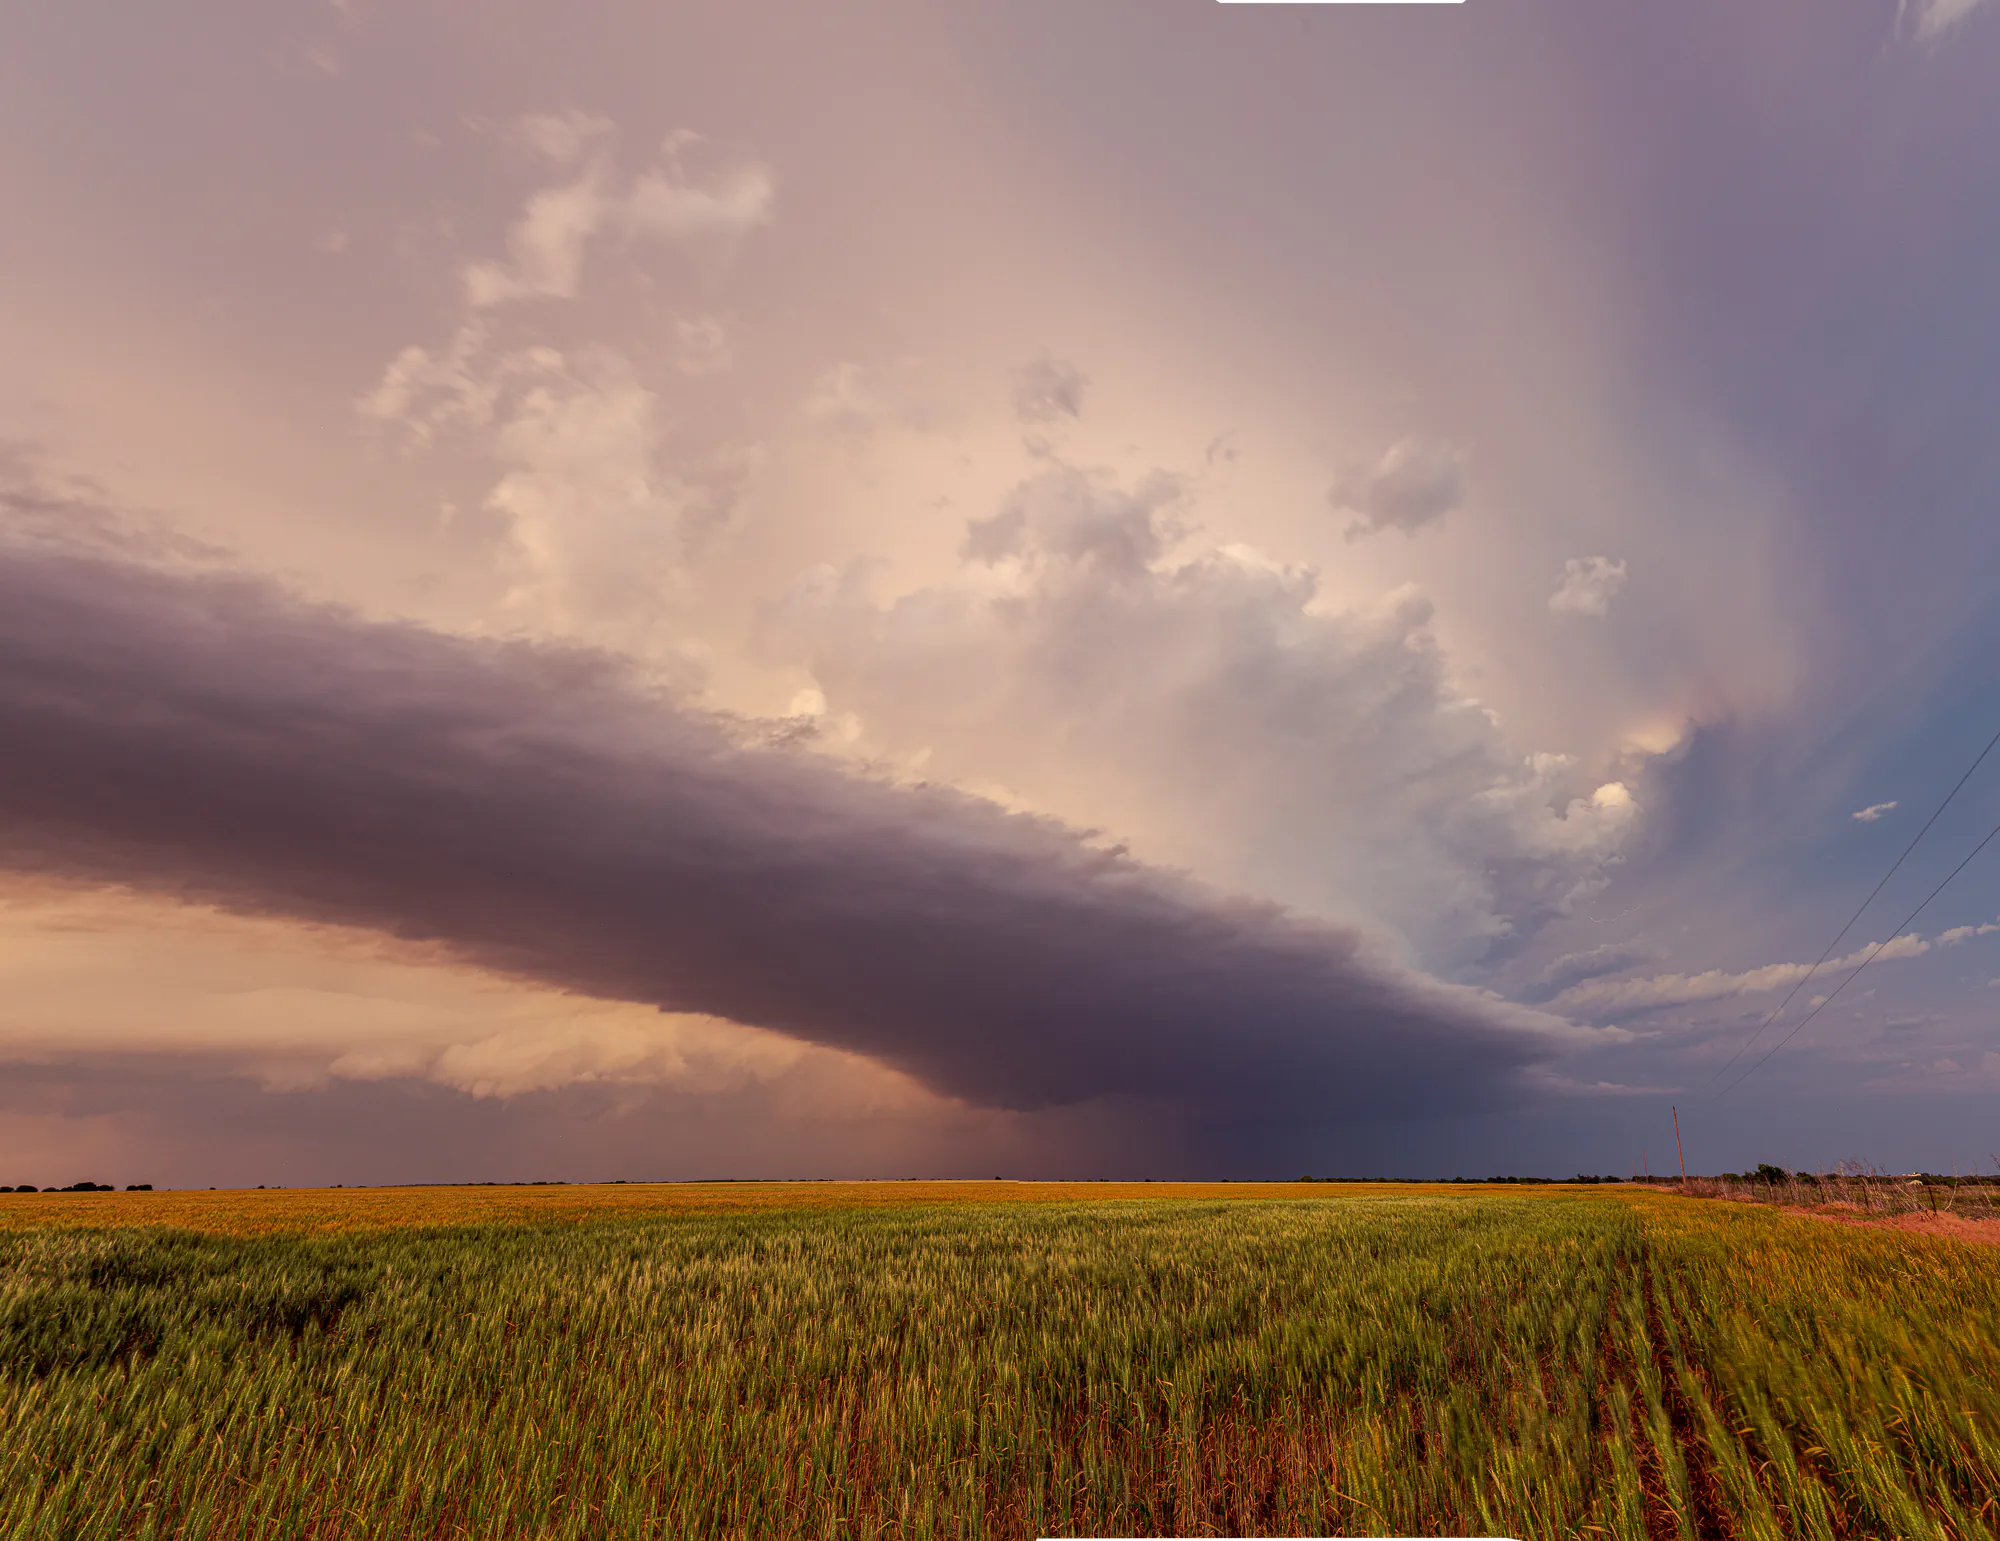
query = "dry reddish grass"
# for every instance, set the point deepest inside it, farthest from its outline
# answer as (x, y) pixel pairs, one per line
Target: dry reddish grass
(256, 1211)
(1957, 1227)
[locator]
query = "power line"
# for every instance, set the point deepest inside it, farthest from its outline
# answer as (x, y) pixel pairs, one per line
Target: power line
(1898, 931)
(1830, 946)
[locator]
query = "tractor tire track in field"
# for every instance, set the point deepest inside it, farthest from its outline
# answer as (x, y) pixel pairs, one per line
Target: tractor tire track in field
(1616, 1370)
(1710, 1519)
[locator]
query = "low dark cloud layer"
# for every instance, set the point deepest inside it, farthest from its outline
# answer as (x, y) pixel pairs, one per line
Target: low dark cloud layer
(191, 1120)
(543, 813)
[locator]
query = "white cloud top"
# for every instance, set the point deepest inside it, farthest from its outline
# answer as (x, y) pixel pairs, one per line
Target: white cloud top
(1589, 584)
(1094, 656)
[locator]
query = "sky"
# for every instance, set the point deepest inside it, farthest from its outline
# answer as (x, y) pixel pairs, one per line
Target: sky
(965, 589)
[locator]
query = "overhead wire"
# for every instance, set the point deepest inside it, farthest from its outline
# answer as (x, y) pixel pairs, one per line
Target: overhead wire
(1827, 1000)
(1792, 994)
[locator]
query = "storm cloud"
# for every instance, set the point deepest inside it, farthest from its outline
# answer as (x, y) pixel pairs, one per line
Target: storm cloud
(547, 814)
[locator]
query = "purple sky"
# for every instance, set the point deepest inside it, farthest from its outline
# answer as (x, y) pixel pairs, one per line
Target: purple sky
(906, 589)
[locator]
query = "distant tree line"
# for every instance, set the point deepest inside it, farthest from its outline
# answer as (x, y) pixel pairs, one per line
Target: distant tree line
(1765, 1172)
(1581, 1177)
(80, 1188)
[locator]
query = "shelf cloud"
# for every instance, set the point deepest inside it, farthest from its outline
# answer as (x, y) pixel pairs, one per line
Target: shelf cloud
(545, 813)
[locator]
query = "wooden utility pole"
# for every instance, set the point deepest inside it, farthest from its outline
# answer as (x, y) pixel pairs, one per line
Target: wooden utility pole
(1642, 1164)
(1677, 1146)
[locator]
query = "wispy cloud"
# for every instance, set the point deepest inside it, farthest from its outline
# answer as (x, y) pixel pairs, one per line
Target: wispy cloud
(1048, 390)
(709, 216)
(1873, 812)
(1600, 999)
(1578, 967)
(1415, 483)
(1931, 19)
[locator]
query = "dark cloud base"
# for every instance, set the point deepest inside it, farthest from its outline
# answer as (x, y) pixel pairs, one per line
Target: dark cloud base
(194, 1121)
(544, 814)
(189, 1121)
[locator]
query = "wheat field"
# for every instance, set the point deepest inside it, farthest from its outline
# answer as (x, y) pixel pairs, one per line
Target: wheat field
(1005, 1360)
